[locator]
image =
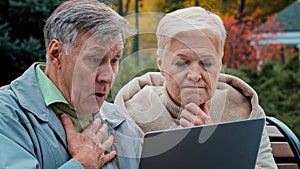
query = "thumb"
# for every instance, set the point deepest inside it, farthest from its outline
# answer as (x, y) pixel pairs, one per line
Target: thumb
(68, 125)
(204, 108)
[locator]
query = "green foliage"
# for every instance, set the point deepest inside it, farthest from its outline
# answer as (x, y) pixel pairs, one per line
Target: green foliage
(21, 35)
(170, 5)
(278, 88)
(129, 69)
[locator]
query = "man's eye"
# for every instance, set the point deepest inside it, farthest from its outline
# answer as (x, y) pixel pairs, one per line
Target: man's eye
(115, 61)
(95, 60)
(180, 63)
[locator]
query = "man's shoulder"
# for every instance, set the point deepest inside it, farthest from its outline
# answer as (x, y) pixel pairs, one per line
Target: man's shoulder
(8, 99)
(11, 111)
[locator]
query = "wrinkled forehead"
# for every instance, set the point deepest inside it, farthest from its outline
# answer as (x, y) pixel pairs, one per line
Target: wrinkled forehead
(103, 44)
(194, 40)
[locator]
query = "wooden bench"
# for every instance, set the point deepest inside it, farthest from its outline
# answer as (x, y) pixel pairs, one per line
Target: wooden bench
(285, 144)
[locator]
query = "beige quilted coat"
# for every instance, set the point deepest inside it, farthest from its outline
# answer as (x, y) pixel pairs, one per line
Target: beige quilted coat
(145, 100)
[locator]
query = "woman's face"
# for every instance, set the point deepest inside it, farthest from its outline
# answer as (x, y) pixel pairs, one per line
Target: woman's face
(190, 66)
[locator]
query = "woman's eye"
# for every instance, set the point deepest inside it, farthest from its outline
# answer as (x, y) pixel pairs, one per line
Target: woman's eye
(180, 63)
(206, 64)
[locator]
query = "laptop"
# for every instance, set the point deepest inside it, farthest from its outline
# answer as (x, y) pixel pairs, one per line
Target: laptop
(229, 145)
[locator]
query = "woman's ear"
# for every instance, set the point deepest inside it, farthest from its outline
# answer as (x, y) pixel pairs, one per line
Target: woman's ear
(54, 52)
(158, 62)
(159, 65)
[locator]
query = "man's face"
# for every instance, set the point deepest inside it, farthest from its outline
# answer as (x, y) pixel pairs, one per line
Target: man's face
(90, 72)
(190, 67)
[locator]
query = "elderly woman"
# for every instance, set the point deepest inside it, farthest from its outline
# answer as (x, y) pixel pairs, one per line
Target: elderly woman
(190, 90)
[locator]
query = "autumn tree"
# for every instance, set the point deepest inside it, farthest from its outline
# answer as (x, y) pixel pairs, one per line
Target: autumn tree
(244, 34)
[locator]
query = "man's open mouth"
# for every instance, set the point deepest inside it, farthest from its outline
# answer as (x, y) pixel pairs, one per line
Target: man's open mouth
(99, 95)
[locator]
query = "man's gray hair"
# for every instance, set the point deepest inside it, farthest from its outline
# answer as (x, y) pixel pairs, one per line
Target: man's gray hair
(76, 17)
(190, 19)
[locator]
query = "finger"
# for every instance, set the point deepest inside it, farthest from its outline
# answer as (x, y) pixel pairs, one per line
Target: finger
(68, 125)
(93, 127)
(208, 120)
(204, 108)
(108, 143)
(187, 115)
(101, 133)
(193, 108)
(185, 123)
(109, 156)
(195, 120)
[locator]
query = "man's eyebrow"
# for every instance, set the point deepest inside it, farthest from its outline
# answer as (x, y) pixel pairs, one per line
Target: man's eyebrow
(96, 48)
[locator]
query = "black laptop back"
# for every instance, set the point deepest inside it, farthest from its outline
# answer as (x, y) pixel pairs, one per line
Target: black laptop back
(230, 145)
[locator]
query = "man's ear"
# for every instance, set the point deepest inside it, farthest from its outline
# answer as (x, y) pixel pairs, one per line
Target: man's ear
(54, 52)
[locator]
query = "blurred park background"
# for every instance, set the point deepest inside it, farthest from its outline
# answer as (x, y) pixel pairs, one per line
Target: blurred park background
(262, 46)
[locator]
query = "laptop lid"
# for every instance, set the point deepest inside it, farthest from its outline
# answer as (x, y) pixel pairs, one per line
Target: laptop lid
(229, 145)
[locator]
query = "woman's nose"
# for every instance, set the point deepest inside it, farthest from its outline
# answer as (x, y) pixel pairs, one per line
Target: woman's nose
(195, 73)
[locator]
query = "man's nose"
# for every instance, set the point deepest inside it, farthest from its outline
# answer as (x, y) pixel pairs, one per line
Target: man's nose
(105, 74)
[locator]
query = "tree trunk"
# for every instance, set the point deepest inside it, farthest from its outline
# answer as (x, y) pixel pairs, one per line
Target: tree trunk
(242, 6)
(241, 11)
(135, 46)
(119, 4)
(127, 7)
(120, 7)
(282, 55)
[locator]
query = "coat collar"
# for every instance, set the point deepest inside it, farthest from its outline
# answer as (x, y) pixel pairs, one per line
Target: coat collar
(30, 97)
(112, 114)
(26, 86)
(27, 91)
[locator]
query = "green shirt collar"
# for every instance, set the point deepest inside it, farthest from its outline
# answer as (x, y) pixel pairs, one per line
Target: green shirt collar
(49, 91)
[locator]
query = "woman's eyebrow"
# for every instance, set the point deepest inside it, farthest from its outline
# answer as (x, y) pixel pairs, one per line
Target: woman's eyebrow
(183, 53)
(187, 54)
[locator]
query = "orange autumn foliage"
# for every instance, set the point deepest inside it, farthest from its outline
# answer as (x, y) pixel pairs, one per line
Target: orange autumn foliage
(243, 36)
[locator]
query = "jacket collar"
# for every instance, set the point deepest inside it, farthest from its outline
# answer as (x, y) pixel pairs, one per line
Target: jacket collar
(26, 85)
(111, 114)
(30, 97)
(27, 91)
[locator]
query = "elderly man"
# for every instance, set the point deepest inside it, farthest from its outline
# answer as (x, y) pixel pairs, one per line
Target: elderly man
(84, 42)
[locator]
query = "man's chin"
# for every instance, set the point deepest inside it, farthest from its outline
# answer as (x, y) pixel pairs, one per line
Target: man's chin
(90, 105)
(90, 110)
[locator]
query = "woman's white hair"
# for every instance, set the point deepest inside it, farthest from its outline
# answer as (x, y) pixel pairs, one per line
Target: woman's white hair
(190, 19)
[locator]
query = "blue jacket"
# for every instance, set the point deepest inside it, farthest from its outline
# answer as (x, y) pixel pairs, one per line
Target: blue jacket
(32, 136)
